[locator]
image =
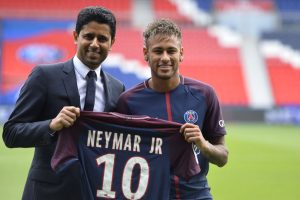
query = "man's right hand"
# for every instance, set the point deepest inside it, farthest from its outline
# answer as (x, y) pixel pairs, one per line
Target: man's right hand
(65, 118)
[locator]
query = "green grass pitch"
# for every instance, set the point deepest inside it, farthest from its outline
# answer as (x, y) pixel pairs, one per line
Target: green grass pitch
(264, 164)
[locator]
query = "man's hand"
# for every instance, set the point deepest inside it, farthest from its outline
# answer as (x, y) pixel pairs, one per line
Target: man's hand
(65, 118)
(193, 134)
(215, 150)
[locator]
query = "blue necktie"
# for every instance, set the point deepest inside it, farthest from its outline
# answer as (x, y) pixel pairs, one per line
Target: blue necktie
(90, 91)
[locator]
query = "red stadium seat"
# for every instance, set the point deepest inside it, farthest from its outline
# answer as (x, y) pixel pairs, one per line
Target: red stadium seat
(62, 9)
(285, 80)
(165, 9)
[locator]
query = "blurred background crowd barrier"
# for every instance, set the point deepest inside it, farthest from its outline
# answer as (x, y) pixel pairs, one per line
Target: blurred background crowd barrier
(248, 50)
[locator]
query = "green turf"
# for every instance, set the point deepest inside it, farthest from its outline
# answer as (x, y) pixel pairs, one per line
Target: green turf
(14, 165)
(264, 164)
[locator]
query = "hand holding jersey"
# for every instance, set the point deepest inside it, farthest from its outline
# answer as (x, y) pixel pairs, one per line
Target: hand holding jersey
(65, 118)
(214, 152)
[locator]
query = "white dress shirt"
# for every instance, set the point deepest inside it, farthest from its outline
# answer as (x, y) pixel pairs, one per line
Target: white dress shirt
(81, 71)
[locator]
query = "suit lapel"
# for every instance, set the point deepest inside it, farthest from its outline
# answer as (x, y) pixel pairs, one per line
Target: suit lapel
(107, 90)
(70, 83)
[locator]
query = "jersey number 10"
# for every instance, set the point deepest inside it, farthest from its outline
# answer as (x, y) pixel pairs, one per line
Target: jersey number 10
(109, 161)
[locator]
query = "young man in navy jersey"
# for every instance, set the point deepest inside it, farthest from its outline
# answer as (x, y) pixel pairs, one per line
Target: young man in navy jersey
(171, 96)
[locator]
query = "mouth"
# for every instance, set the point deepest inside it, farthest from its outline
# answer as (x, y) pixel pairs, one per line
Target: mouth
(164, 66)
(93, 53)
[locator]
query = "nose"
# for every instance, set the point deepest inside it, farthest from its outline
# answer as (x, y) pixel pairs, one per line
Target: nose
(95, 42)
(165, 56)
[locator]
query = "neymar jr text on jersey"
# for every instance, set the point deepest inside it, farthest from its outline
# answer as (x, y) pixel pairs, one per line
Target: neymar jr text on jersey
(121, 141)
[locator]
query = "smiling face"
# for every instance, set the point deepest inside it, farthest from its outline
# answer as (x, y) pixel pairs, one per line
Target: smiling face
(163, 54)
(93, 43)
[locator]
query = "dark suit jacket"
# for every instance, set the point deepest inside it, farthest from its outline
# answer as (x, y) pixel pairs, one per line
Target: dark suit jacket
(47, 90)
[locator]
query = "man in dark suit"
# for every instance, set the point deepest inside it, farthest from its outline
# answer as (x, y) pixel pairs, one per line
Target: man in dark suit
(52, 97)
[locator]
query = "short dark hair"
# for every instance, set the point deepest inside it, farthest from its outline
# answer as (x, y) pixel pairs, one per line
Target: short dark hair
(98, 14)
(164, 27)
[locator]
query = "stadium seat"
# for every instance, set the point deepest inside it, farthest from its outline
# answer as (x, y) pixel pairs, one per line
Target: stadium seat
(284, 70)
(62, 9)
(165, 9)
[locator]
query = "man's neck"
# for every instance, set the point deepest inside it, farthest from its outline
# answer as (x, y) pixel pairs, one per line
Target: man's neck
(161, 85)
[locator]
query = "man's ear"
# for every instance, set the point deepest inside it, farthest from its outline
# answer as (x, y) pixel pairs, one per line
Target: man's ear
(75, 37)
(113, 41)
(181, 54)
(111, 44)
(145, 52)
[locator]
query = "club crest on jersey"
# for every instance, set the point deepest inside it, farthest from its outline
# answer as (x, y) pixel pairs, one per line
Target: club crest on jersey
(190, 116)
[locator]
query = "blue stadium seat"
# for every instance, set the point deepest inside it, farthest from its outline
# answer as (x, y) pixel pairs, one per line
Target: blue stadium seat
(288, 5)
(290, 38)
(206, 5)
(289, 11)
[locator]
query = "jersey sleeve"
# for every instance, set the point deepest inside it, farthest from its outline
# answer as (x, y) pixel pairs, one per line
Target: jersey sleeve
(214, 125)
(66, 149)
(122, 105)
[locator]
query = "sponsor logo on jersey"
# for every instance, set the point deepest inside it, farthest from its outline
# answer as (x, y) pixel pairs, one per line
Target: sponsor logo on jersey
(190, 116)
(221, 123)
(196, 151)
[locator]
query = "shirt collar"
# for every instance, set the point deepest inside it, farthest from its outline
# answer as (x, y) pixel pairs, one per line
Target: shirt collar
(82, 69)
(146, 82)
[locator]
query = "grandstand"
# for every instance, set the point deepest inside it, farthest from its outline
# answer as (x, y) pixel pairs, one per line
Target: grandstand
(66, 9)
(247, 50)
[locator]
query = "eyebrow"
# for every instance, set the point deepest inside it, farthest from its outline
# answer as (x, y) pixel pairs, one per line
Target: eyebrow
(164, 48)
